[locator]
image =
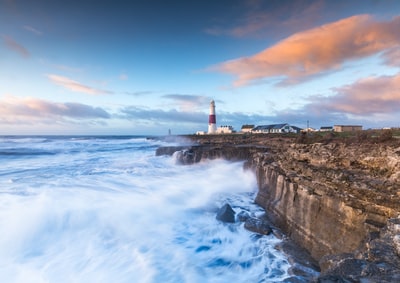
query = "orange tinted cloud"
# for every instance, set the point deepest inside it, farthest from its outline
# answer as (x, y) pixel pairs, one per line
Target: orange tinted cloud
(15, 46)
(316, 51)
(74, 85)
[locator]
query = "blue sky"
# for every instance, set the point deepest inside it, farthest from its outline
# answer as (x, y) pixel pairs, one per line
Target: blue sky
(144, 67)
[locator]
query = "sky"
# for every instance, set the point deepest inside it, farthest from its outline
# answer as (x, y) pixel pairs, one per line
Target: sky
(149, 67)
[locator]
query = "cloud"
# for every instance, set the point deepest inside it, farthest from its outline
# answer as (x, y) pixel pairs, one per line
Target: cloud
(32, 30)
(29, 110)
(196, 120)
(68, 68)
(75, 86)
(307, 54)
(138, 93)
(374, 95)
(158, 115)
(269, 19)
(373, 101)
(15, 46)
(187, 102)
(392, 57)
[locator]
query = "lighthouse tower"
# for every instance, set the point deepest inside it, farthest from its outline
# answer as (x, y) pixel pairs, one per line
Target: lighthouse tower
(212, 121)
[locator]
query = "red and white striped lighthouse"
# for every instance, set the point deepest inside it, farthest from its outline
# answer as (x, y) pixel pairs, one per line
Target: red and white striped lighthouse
(212, 121)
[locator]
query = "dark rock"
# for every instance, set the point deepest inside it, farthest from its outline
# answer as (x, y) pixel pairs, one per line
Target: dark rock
(374, 262)
(303, 266)
(296, 279)
(226, 214)
(185, 156)
(191, 154)
(259, 226)
(334, 279)
(350, 268)
(243, 216)
(169, 150)
(330, 262)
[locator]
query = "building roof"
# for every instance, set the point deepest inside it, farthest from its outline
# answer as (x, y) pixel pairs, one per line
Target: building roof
(296, 128)
(247, 126)
(269, 127)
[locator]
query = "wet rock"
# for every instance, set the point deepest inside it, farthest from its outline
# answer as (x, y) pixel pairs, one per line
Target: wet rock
(185, 157)
(333, 279)
(195, 153)
(350, 268)
(303, 266)
(243, 216)
(359, 270)
(296, 279)
(259, 226)
(329, 197)
(329, 262)
(393, 231)
(226, 214)
(169, 150)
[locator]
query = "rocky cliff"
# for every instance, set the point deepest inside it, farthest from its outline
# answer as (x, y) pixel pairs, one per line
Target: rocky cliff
(329, 197)
(338, 200)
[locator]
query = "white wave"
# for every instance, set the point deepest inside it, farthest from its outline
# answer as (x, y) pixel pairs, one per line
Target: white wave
(128, 216)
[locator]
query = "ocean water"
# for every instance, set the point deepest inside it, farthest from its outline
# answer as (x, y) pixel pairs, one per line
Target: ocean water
(106, 209)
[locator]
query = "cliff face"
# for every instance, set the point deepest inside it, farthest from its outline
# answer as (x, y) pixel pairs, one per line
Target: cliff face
(332, 199)
(328, 198)
(195, 153)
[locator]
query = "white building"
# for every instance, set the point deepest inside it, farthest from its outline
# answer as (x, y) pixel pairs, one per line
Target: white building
(225, 130)
(276, 128)
(247, 128)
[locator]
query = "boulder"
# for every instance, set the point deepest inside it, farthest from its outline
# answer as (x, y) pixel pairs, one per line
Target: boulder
(185, 156)
(258, 226)
(226, 214)
(243, 216)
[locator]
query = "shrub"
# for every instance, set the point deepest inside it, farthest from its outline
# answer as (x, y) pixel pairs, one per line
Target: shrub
(302, 138)
(385, 135)
(363, 136)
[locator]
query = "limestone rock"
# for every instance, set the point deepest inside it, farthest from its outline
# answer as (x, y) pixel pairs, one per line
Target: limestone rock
(226, 214)
(328, 197)
(257, 225)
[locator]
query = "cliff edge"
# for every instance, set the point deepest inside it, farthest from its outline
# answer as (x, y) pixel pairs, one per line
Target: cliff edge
(339, 200)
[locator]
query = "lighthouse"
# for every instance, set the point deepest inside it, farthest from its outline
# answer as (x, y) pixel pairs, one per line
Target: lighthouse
(212, 121)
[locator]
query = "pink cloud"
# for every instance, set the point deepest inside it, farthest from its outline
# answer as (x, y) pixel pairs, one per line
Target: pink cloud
(316, 51)
(28, 110)
(74, 85)
(15, 46)
(368, 96)
(392, 57)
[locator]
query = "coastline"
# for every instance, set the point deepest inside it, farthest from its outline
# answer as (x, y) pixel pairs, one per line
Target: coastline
(338, 200)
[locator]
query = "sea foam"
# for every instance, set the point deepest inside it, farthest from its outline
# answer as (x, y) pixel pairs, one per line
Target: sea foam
(109, 210)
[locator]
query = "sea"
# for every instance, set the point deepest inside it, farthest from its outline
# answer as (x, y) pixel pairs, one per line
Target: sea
(107, 209)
